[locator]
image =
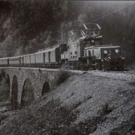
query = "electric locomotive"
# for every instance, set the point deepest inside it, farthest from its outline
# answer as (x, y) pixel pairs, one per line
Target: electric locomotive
(88, 52)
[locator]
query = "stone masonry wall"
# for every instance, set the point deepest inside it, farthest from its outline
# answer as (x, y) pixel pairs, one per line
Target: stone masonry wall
(37, 77)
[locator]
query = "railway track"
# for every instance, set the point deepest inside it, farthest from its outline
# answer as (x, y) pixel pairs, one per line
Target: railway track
(123, 75)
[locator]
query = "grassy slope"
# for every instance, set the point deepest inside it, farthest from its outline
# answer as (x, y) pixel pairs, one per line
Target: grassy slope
(82, 105)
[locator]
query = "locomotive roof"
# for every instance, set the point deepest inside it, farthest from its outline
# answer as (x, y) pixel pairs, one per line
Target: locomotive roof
(102, 46)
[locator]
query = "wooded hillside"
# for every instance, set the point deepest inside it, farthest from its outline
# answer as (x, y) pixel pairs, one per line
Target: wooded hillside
(27, 26)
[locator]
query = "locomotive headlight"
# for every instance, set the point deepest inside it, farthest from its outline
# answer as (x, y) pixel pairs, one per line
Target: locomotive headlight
(117, 50)
(105, 51)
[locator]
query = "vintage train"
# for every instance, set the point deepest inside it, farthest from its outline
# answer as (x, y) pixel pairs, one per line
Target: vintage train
(86, 52)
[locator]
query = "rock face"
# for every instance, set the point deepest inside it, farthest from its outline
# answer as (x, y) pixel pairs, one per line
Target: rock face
(27, 26)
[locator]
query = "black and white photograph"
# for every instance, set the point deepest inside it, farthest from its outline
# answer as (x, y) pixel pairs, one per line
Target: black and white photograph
(67, 67)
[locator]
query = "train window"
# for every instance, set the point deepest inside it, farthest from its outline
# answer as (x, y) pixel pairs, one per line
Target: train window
(75, 52)
(49, 56)
(71, 53)
(89, 53)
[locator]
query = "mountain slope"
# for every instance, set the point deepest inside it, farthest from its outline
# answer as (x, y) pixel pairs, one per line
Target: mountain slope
(82, 105)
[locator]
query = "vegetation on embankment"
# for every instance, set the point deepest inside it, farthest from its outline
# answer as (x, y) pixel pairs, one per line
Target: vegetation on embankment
(4, 87)
(81, 105)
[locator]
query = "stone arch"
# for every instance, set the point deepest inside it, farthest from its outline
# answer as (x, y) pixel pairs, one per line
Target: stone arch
(27, 93)
(46, 88)
(14, 93)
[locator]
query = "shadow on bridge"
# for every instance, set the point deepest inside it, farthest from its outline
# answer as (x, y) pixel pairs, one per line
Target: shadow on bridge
(27, 93)
(14, 93)
(46, 88)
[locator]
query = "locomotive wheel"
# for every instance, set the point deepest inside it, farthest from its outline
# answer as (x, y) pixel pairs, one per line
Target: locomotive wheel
(120, 68)
(105, 66)
(84, 67)
(98, 66)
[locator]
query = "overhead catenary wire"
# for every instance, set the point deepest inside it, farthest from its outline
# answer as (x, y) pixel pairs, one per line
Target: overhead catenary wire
(112, 12)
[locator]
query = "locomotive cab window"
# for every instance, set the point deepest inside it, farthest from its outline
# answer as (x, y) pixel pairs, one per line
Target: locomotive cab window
(89, 53)
(87, 43)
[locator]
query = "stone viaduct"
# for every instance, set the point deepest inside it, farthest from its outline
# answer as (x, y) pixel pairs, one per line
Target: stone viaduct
(27, 84)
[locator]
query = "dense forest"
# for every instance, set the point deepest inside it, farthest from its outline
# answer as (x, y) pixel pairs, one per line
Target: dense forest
(27, 26)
